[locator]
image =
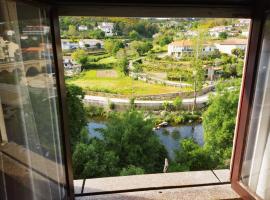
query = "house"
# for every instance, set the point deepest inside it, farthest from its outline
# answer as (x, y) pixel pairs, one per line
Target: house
(215, 31)
(69, 45)
(82, 28)
(36, 30)
(91, 43)
(228, 45)
(242, 22)
(107, 28)
(185, 47)
(191, 33)
(8, 50)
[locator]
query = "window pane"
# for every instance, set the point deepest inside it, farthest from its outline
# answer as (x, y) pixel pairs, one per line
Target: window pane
(31, 161)
(256, 165)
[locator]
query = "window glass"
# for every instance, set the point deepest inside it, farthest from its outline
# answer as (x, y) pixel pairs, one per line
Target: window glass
(256, 164)
(31, 161)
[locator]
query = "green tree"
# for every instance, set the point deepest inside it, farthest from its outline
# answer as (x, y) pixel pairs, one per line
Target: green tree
(132, 139)
(72, 30)
(76, 114)
(97, 34)
(134, 35)
(223, 35)
(80, 56)
(131, 170)
(240, 53)
(219, 123)
(177, 103)
(113, 46)
(191, 156)
(93, 160)
(123, 66)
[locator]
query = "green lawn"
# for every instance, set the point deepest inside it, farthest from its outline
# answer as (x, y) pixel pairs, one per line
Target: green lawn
(107, 60)
(119, 85)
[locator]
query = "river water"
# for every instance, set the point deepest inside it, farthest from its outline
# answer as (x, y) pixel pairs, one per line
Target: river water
(169, 136)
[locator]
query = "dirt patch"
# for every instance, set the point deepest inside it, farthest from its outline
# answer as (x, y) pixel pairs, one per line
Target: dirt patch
(107, 73)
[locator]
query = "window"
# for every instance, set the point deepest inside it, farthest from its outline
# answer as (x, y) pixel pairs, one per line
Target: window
(31, 151)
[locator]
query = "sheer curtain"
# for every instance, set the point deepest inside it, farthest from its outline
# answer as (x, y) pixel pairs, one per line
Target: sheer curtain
(256, 164)
(31, 161)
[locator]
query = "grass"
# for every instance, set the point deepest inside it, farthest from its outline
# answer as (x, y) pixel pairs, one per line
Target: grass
(107, 60)
(120, 84)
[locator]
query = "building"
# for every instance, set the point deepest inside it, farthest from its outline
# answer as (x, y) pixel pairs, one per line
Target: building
(36, 30)
(91, 43)
(242, 23)
(215, 31)
(185, 47)
(8, 50)
(228, 45)
(107, 28)
(82, 28)
(69, 45)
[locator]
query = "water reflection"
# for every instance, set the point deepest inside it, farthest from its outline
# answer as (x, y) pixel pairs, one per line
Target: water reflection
(169, 136)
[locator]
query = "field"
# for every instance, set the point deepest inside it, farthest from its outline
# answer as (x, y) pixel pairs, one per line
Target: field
(111, 81)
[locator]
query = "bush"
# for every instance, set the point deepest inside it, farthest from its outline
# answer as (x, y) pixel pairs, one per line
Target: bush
(131, 170)
(177, 103)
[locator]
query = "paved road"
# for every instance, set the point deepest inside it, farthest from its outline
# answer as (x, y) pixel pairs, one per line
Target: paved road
(151, 103)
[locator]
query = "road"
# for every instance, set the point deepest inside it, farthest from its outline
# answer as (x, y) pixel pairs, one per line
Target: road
(99, 100)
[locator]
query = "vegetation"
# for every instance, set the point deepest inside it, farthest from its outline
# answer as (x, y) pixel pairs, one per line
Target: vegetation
(133, 62)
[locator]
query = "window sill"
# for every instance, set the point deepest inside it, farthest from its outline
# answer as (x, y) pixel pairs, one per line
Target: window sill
(187, 185)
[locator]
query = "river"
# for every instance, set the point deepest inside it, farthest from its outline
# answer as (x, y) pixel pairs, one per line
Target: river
(169, 136)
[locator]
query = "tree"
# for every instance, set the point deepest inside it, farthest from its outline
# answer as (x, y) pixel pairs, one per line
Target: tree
(113, 46)
(191, 156)
(141, 47)
(97, 34)
(223, 35)
(239, 53)
(134, 35)
(164, 40)
(93, 160)
(80, 56)
(132, 139)
(123, 65)
(76, 114)
(219, 123)
(72, 30)
(131, 170)
(177, 103)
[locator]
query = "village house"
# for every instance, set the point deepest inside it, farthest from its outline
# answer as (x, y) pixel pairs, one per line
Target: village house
(67, 44)
(36, 30)
(82, 28)
(8, 50)
(91, 43)
(107, 28)
(215, 31)
(242, 23)
(228, 45)
(185, 47)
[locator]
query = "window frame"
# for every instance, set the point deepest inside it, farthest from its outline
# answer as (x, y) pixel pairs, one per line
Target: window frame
(129, 10)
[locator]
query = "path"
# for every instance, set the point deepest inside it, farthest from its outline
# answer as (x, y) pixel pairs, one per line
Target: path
(104, 101)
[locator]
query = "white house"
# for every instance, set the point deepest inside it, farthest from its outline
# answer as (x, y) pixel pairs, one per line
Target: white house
(68, 44)
(107, 28)
(191, 33)
(228, 45)
(82, 28)
(36, 30)
(8, 50)
(90, 43)
(242, 22)
(185, 47)
(215, 31)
